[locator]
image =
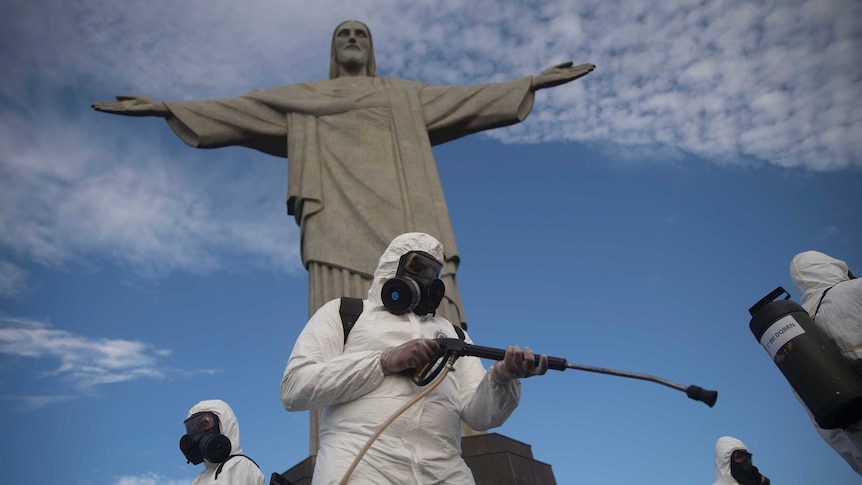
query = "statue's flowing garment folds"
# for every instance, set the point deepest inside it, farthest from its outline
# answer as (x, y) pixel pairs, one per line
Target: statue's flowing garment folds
(360, 165)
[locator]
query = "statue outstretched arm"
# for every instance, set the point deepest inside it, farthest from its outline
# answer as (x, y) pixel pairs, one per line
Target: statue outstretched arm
(133, 106)
(560, 74)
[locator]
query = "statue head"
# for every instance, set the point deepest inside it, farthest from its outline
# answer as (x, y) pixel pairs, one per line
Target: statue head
(352, 50)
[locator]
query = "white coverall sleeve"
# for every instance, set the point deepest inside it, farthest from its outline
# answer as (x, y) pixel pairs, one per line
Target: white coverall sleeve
(846, 442)
(485, 404)
(318, 375)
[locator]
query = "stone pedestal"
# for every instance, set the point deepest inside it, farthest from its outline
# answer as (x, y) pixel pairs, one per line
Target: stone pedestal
(493, 458)
(300, 474)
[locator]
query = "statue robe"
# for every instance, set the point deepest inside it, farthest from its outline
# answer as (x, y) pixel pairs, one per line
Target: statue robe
(360, 166)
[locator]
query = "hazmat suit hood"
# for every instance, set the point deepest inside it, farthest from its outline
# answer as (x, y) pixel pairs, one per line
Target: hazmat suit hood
(837, 312)
(227, 422)
(724, 447)
(388, 264)
(813, 273)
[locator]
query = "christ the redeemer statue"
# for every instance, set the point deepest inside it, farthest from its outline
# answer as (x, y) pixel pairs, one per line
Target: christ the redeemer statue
(360, 166)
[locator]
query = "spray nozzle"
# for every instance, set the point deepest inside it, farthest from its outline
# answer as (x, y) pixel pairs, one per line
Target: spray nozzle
(703, 395)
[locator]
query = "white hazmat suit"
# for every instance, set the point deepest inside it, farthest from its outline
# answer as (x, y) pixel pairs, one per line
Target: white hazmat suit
(238, 470)
(724, 447)
(424, 444)
(839, 316)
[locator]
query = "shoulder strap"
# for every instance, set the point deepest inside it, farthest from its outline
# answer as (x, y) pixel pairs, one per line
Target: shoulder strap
(221, 465)
(459, 331)
(350, 310)
(814, 317)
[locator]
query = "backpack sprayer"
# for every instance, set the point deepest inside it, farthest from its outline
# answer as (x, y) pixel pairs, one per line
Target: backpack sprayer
(453, 348)
(812, 364)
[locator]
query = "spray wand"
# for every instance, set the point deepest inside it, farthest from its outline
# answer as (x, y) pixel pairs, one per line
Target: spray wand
(451, 347)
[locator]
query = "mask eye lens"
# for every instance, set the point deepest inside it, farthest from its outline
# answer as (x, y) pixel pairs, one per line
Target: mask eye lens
(421, 265)
(206, 423)
(415, 266)
(740, 456)
(203, 422)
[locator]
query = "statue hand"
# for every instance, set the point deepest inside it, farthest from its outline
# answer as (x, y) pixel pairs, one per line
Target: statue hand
(132, 106)
(560, 74)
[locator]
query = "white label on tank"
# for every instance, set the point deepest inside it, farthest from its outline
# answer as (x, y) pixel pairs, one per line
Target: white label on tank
(779, 333)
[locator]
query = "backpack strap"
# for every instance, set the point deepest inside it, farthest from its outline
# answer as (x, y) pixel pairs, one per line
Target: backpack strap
(820, 302)
(221, 465)
(459, 331)
(349, 310)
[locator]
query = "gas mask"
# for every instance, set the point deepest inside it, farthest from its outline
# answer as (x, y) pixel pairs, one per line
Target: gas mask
(417, 285)
(743, 471)
(203, 439)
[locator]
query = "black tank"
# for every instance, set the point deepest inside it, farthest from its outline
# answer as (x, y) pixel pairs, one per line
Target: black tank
(809, 360)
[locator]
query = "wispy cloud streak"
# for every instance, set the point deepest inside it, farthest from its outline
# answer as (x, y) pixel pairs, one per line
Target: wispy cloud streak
(13, 280)
(66, 200)
(86, 362)
(149, 479)
(82, 361)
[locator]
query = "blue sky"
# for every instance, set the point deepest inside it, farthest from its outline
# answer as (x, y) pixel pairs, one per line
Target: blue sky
(628, 223)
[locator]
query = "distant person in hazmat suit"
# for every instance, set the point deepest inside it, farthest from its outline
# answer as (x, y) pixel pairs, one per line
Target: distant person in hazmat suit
(360, 383)
(212, 438)
(733, 464)
(832, 295)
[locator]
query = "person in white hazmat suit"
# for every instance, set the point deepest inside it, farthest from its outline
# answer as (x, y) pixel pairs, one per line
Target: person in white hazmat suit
(832, 296)
(733, 464)
(360, 383)
(212, 438)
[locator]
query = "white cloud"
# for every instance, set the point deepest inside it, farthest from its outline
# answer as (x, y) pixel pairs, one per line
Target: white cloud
(149, 478)
(776, 81)
(828, 232)
(728, 81)
(32, 403)
(13, 279)
(83, 361)
(66, 200)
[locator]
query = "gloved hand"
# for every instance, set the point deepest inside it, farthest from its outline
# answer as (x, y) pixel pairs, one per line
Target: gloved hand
(413, 354)
(517, 365)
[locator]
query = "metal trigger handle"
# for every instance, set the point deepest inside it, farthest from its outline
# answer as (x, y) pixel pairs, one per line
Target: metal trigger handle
(432, 369)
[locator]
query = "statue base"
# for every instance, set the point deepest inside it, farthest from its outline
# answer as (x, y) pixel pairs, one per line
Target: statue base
(493, 458)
